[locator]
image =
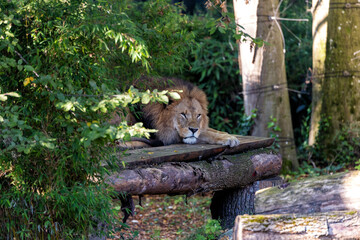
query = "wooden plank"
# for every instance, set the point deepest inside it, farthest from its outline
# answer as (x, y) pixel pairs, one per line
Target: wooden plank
(188, 152)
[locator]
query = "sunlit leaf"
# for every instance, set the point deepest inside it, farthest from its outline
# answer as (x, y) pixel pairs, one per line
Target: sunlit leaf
(3, 97)
(13, 94)
(145, 99)
(174, 95)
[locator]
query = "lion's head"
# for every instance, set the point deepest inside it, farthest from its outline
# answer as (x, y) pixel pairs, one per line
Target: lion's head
(189, 120)
(181, 120)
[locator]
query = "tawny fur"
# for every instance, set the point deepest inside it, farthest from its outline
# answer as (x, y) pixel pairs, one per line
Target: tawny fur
(184, 120)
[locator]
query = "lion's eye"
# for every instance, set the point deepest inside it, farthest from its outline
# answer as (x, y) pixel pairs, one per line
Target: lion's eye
(183, 115)
(199, 116)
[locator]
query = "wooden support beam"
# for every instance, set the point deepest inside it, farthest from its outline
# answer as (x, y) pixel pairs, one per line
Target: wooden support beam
(231, 171)
(229, 203)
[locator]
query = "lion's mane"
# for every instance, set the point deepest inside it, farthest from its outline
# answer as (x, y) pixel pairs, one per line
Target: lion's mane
(161, 116)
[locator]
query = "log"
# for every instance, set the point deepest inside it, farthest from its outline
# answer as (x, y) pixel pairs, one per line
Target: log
(337, 192)
(231, 171)
(330, 225)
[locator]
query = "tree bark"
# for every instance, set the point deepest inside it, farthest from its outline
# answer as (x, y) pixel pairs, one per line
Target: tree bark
(263, 73)
(229, 203)
(341, 85)
(331, 225)
(320, 10)
(202, 176)
(338, 192)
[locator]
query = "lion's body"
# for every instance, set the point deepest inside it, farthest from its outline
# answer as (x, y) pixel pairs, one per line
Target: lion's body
(184, 120)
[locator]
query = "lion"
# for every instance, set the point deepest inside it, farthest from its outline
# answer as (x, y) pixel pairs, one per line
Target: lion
(181, 121)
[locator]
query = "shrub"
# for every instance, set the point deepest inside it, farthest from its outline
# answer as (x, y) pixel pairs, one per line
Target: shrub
(60, 63)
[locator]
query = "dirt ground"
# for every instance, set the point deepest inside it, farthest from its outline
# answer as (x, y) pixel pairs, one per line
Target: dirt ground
(165, 217)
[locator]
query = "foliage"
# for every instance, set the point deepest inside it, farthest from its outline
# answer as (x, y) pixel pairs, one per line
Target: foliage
(357, 163)
(274, 129)
(211, 230)
(215, 70)
(309, 170)
(345, 148)
(345, 152)
(59, 65)
(168, 35)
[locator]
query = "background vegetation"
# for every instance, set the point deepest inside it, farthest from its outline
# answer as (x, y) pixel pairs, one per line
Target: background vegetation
(65, 70)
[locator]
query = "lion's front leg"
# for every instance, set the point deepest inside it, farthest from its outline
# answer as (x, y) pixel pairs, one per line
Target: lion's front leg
(213, 136)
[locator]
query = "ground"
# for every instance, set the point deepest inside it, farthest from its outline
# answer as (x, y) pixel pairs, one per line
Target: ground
(167, 217)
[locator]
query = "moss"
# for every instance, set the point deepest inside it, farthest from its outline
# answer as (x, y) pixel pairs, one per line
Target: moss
(256, 219)
(351, 213)
(286, 166)
(249, 154)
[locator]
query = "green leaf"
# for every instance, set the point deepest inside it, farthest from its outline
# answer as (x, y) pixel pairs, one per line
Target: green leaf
(47, 144)
(67, 106)
(145, 98)
(93, 84)
(174, 95)
(3, 97)
(164, 98)
(29, 68)
(13, 94)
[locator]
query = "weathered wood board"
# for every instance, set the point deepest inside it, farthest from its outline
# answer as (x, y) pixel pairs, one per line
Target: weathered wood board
(189, 153)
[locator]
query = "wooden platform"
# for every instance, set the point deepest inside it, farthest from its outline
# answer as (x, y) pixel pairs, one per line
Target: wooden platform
(199, 168)
(188, 152)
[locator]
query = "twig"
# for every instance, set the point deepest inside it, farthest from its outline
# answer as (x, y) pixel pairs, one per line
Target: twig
(22, 58)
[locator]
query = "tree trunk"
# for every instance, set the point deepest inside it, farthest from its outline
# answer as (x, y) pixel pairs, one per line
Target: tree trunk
(338, 192)
(229, 203)
(202, 176)
(331, 225)
(263, 73)
(320, 10)
(341, 86)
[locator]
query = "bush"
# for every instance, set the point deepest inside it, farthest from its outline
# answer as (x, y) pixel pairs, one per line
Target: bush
(211, 230)
(59, 69)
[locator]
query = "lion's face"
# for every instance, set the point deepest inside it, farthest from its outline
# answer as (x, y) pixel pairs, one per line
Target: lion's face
(189, 120)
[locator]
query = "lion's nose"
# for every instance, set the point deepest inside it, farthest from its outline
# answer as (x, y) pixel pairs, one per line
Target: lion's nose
(193, 130)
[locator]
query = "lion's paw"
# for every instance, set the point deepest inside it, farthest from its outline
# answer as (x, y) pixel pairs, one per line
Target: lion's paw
(231, 141)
